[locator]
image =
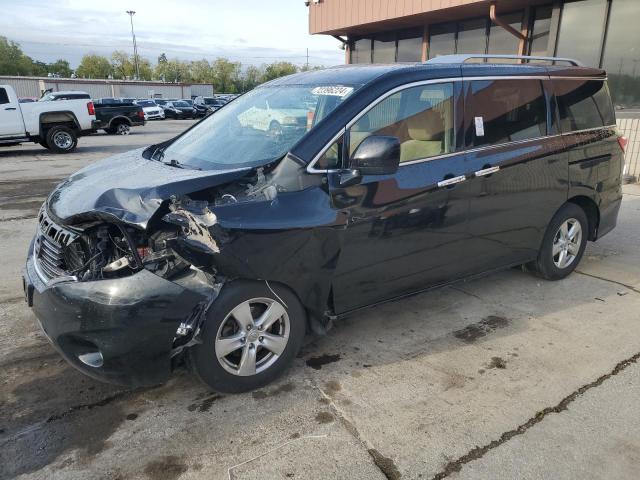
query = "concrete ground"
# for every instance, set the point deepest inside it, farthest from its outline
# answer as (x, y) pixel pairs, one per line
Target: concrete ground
(499, 378)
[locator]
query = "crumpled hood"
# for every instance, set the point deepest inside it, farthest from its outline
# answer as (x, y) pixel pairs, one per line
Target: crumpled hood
(129, 188)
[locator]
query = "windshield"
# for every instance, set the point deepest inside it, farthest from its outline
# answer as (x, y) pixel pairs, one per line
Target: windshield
(147, 103)
(259, 127)
(180, 104)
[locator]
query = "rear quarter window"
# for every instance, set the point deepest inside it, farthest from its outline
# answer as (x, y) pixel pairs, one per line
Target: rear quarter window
(583, 104)
(4, 98)
(503, 111)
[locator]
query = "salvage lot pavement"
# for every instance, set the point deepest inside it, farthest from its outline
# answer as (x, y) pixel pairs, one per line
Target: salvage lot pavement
(503, 377)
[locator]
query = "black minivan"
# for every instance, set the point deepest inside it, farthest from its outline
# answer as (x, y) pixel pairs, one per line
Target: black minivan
(316, 195)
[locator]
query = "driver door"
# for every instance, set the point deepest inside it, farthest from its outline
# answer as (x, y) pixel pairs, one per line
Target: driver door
(406, 231)
(10, 116)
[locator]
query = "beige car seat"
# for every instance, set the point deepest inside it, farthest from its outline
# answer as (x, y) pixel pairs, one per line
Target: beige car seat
(426, 133)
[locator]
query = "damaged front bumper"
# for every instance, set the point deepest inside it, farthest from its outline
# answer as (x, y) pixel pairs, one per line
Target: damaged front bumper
(120, 330)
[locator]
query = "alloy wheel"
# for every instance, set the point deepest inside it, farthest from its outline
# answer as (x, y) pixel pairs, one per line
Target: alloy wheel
(566, 243)
(123, 129)
(62, 140)
(252, 336)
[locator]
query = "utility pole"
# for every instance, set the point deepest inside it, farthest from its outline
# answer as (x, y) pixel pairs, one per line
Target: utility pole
(135, 45)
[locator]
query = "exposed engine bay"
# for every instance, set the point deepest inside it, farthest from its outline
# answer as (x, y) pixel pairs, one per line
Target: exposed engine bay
(182, 233)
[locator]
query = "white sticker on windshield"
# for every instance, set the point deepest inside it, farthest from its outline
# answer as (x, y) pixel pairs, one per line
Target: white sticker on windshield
(333, 91)
(479, 126)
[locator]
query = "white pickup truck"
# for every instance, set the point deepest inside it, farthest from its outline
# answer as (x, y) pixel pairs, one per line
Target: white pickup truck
(54, 125)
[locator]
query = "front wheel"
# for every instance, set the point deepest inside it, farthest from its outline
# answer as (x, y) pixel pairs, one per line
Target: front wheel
(61, 139)
(250, 335)
(564, 243)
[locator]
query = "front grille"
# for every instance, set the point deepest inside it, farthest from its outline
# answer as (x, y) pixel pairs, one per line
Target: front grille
(51, 241)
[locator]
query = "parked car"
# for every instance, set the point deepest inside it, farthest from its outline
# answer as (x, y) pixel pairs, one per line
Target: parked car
(226, 244)
(179, 109)
(55, 126)
(207, 105)
(152, 111)
(116, 117)
(66, 95)
(27, 100)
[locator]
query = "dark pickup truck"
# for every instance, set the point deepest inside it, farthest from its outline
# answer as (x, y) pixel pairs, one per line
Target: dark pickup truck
(117, 117)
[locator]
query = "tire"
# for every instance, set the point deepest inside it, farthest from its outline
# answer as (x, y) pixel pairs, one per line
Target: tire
(122, 129)
(561, 250)
(247, 300)
(110, 130)
(61, 139)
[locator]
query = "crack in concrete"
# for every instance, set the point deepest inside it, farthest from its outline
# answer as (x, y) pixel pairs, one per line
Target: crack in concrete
(384, 464)
(478, 452)
(630, 287)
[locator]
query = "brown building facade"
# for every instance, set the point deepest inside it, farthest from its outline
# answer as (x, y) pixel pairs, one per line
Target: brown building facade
(601, 33)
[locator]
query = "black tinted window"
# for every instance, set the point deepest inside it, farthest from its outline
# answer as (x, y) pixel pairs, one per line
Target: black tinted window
(4, 98)
(584, 104)
(506, 111)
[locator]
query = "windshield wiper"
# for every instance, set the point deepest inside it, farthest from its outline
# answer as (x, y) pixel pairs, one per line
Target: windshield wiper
(175, 163)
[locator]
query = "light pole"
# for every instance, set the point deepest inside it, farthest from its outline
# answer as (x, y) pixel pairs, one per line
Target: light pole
(135, 45)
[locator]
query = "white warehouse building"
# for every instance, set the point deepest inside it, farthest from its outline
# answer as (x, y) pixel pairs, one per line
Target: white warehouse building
(34, 86)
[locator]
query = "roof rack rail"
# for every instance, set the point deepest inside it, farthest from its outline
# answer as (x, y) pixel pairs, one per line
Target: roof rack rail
(463, 58)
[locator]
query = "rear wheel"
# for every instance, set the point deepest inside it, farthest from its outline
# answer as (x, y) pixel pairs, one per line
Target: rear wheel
(250, 336)
(564, 243)
(61, 139)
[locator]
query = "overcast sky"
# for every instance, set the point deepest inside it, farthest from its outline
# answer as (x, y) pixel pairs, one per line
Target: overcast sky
(250, 31)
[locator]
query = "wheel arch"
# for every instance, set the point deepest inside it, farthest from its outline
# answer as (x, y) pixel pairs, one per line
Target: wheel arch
(118, 120)
(592, 211)
(50, 119)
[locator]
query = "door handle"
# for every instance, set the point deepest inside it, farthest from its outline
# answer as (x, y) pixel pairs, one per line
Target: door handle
(487, 171)
(448, 182)
(10, 108)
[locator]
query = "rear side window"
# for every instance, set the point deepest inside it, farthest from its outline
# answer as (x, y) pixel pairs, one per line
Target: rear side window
(584, 104)
(422, 118)
(504, 111)
(4, 98)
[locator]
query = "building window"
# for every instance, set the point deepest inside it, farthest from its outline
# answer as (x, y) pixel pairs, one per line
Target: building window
(507, 111)
(422, 118)
(442, 40)
(581, 31)
(502, 42)
(622, 53)
(541, 33)
(384, 48)
(410, 46)
(361, 51)
(472, 36)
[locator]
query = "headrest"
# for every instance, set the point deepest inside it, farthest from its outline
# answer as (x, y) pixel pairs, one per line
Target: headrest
(426, 126)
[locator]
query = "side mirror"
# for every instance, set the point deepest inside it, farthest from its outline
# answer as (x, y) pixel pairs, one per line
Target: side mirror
(377, 155)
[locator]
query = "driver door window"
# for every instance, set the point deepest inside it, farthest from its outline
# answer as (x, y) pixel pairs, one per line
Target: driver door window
(422, 118)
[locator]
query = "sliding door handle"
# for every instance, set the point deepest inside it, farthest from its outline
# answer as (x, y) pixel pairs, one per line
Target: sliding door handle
(449, 182)
(486, 171)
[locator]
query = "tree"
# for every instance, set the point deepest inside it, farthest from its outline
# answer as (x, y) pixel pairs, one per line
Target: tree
(225, 75)
(278, 69)
(251, 79)
(12, 60)
(145, 69)
(94, 66)
(173, 71)
(201, 71)
(60, 67)
(162, 58)
(121, 65)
